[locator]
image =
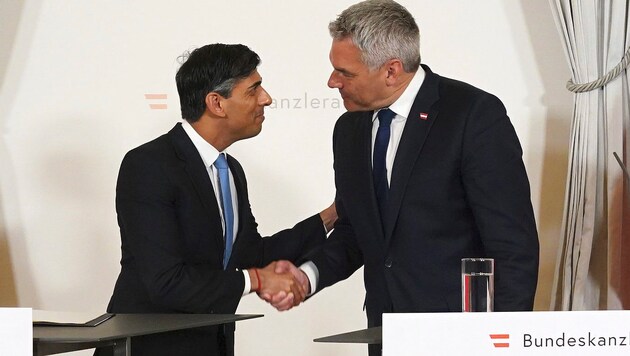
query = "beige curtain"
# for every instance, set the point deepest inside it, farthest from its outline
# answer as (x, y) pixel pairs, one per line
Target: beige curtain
(593, 267)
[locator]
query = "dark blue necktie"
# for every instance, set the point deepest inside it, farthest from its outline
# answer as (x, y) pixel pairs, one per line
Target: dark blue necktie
(226, 201)
(379, 169)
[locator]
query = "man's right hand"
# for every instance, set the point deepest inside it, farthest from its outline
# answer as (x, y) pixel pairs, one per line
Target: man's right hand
(281, 301)
(278, 286)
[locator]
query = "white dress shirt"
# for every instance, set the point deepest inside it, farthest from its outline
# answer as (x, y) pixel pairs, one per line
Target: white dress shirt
(208, 155)
(402, 107)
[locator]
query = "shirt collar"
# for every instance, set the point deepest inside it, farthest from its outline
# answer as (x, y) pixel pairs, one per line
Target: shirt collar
(207, 152)
(402, 105)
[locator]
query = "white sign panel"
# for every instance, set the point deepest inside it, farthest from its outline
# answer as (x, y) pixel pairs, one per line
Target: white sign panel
(16, 331)
(507, 334)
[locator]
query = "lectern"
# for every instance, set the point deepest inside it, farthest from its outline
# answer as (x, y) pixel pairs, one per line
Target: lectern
(365, 336)
(118, 331)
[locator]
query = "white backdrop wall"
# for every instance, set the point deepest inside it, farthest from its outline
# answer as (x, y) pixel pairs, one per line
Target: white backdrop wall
(74, 75)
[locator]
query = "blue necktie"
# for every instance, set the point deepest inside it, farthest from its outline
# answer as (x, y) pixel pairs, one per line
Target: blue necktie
(379, 169)
(226, 200)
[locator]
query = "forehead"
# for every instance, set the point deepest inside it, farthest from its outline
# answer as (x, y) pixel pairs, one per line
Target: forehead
(251, 80)
(344, 55)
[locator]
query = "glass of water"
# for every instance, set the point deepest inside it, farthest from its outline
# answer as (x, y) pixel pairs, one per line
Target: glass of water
(477, 284)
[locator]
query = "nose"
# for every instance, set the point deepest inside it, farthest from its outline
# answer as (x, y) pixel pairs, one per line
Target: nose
(265, 98)
(333, 81)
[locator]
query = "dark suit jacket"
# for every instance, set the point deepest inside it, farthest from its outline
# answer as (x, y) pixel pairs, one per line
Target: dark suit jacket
(458, 189)
(172, 244)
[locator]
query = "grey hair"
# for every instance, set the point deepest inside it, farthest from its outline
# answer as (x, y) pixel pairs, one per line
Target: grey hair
(225, 88)
(382, 30)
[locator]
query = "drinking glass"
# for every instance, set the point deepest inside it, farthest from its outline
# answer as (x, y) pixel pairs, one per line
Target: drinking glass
(477, 284)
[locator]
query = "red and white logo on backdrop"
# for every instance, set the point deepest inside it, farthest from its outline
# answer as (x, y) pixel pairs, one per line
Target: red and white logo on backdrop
(500, 340)
(156, 101)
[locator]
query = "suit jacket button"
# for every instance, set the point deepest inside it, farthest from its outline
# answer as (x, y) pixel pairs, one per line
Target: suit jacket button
(388, 263)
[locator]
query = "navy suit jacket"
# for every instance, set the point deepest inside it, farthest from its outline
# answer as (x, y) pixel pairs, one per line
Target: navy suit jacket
(458, 189)
(172, 244)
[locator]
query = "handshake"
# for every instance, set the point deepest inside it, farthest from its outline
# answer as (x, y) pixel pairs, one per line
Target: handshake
(281, 284)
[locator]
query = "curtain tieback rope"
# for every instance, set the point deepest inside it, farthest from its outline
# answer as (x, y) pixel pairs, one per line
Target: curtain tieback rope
(596, 84)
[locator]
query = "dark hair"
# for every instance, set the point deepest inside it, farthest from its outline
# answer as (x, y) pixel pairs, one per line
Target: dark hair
(211, 68)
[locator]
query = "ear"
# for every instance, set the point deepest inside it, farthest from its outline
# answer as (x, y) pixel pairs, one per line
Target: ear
(394, 69)
(215, 104)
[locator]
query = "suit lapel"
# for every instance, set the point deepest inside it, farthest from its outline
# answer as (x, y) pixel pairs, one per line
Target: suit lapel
(198, 174)
(374, 214)
(419, 122)
(241, 190)
(361, 169)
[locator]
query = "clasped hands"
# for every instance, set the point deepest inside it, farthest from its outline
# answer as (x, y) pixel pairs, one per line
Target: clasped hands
(281, 284)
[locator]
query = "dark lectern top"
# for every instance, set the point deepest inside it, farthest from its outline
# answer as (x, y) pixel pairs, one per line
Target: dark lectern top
(365, 336)
(129, 325)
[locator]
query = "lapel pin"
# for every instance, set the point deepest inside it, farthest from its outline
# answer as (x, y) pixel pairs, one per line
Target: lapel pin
(423, 116)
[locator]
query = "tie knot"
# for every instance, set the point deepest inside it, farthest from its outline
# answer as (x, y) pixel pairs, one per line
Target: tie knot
(221, 162)
(385, 117)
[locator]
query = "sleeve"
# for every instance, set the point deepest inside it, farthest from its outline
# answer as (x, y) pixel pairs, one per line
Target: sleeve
(340, 256)
(295, 243)
(289, 244)
(498, 193)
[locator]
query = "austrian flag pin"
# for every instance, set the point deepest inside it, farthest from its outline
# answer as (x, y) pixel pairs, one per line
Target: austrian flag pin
(423, 116)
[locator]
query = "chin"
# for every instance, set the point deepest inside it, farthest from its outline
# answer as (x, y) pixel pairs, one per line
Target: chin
(350, 106)
(257, 131)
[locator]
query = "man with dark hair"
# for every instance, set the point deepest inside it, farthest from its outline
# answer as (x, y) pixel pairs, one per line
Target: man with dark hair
(428, 171)
(189, 240)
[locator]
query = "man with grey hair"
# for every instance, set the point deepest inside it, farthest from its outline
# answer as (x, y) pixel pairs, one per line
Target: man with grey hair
(428, 171)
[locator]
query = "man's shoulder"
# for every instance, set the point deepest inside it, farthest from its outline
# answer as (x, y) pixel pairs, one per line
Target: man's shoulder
(459, 86)
(160, 148)
(449, 86)
(464, 102)
(460, 90)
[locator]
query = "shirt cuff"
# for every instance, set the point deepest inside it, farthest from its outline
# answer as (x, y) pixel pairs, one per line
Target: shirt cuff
(248, 283)
(312, 273)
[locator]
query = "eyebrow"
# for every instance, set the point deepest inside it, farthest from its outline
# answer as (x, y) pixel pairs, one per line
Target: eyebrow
(345, 71)
(255, 85)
